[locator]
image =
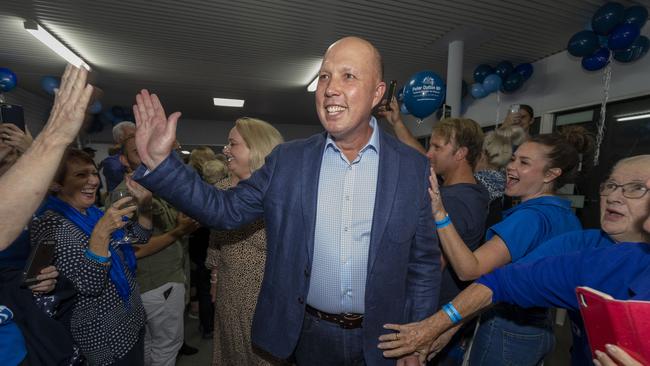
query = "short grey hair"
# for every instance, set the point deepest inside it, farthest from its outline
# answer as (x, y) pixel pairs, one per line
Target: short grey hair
(118, 131)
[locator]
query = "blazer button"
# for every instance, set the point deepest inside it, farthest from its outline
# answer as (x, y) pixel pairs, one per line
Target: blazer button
(307, 273)
(301, 300)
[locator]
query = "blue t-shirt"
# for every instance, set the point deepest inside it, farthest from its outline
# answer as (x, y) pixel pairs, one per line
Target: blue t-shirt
(621, 271)
(113, 171)
(532, 222)
(570, 242)
(12, 343)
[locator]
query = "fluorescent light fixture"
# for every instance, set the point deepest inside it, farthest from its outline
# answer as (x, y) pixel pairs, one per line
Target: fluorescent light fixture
(185, 152)
(225, 102)
(55, 45)
(312, 86)
(633, 117)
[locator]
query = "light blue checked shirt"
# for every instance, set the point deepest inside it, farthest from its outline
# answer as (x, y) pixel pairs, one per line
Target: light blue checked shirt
(346, 202)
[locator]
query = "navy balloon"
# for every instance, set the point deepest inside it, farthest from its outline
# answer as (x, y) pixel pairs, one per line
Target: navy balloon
(596, 61)
(603, 41)
(607, 17)
(637, 50)
(49, 83)
(525, 70)
(623, 36)
(481, 72)
(478, 91)
(492, 83)
(403, 109)
(636, 15)
(424, 93)
(513, 82)
(95, 108)
(503, 69)
(583, 43)
(8, 79)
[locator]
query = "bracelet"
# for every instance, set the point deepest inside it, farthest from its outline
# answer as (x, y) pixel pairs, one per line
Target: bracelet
(453, 314)
(444, 222)
(97, 258)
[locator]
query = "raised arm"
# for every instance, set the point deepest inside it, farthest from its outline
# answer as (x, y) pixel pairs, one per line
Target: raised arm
(401, 131)
(24, 185)
(468, 265)
(155, 133)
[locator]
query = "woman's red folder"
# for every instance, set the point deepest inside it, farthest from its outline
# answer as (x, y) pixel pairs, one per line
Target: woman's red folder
(625, 323)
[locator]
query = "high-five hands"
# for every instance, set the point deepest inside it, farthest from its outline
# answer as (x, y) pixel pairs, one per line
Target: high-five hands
(155, 133)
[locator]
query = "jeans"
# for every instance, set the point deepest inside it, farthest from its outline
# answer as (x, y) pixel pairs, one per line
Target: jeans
(512, 337)
(323, 343)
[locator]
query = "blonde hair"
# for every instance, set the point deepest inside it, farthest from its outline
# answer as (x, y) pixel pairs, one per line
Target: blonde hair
(199, 156)
(260, 138)
(214, 171)
(465, 133)
(497, 149)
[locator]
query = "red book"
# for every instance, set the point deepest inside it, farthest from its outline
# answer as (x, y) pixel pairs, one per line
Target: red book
(625, 323)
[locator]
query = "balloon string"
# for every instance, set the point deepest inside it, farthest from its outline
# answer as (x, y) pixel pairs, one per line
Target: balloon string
(607, 76)
(498, 108)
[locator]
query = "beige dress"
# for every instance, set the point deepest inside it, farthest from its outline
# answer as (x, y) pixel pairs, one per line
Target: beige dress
(239, 257)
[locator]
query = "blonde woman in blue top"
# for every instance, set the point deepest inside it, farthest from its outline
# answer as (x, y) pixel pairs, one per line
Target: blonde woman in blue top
(507, 334)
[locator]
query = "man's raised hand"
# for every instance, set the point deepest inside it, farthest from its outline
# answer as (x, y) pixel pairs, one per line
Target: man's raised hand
(155, 133)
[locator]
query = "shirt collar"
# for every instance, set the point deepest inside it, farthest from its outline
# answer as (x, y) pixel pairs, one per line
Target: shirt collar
(372, 143)
(544, 200)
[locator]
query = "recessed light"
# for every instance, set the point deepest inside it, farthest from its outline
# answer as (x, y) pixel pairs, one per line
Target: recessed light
(54, 44)
(312, 86)
(226, 102)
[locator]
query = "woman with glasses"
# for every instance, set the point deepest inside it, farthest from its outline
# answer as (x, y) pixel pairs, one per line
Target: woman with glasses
(624, 206)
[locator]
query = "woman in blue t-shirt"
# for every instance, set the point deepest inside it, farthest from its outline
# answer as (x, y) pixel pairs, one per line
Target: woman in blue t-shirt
(508, 334)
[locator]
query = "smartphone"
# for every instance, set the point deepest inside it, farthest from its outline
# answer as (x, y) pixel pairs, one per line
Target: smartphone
(446, 111)
(391, 93)
(10, 113)
(514, 108)
(40, 257)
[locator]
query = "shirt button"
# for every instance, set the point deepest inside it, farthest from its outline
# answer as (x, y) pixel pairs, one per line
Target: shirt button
(345, 229)
(347, 198)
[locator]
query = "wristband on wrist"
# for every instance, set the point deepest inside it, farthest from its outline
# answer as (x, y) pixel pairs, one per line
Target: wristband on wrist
(444, 222)
(453, 314)
(97, 258)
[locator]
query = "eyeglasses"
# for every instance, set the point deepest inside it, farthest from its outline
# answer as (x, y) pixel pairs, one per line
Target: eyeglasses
(629, 190)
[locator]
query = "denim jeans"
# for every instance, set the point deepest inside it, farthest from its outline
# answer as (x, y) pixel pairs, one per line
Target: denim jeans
(512, 337)
(323, 343)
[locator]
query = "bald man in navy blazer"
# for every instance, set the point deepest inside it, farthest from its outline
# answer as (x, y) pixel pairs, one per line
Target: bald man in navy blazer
(350, 235)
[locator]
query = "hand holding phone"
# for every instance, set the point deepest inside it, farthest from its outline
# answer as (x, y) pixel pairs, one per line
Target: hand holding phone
(40, 257)
(14, 114)
(391, 93)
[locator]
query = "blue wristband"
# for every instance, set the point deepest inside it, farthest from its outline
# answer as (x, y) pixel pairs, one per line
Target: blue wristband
(453, 314)
(444, 222)
(97, 258)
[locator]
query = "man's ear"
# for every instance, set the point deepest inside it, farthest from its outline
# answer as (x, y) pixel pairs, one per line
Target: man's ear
(552, 174)
(461, 153)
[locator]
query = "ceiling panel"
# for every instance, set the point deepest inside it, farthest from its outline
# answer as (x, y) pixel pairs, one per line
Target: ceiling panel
(268, 51)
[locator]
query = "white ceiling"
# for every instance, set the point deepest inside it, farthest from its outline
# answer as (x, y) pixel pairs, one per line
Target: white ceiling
(268, 51)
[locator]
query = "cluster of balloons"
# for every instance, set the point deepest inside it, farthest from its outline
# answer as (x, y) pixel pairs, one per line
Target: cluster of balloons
(8, 79)
(422, 95)
(505, 77)
(613, 29)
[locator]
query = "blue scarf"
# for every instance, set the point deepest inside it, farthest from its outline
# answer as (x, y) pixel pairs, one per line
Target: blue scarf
(86, 223)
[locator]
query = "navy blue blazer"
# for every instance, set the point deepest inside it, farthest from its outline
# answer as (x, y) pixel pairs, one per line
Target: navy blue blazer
(403, 279)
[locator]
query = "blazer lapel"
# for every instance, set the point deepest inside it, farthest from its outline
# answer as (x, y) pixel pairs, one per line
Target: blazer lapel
(311, 162)
(387, 179)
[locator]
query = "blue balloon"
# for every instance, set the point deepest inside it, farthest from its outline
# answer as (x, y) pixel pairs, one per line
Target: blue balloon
(492, 83)
(607, 17)
(482, 71)
(637, 50)
(403, 109)
(8, 79)
(478, 91)
(503, 69)
(95, 108)
(636, 15)
(513, 82)
(424, 93)
(525, 70)
(49, 83)
(596, 61)
(583, 43)
(623, 36)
